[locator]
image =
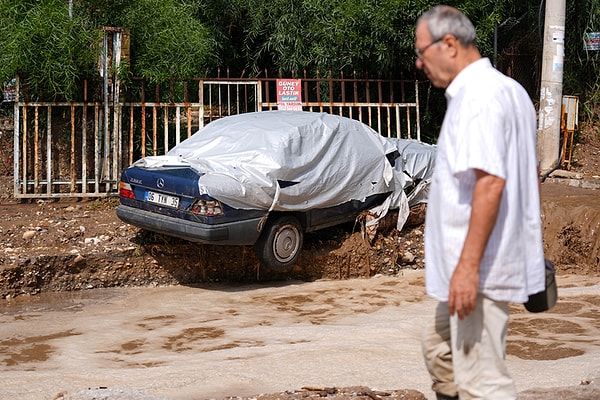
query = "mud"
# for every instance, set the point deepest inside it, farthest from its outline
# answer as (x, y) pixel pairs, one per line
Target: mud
(215, 340)
(93, 308)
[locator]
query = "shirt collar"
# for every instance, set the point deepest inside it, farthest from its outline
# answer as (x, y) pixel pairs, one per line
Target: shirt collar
(466, 75)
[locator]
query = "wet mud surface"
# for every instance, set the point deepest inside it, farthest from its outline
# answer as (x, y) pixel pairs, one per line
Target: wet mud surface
(215, 340)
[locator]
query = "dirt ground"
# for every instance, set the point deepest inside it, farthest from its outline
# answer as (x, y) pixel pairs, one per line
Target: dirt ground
(76, 245)
(50, 245)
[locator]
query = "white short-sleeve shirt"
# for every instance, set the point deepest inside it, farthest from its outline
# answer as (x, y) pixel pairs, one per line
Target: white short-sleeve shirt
(490, 124)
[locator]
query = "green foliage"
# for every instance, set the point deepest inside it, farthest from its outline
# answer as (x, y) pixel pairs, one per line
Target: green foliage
(312, 35)
(167, 40)
(373, 36)
(51, 51)
(48, 49)
(582, 67)
(40, 42)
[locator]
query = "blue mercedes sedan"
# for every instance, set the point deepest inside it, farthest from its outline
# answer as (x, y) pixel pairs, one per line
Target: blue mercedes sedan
(263, 179)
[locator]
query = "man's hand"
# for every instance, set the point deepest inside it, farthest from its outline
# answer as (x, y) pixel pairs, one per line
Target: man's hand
(463, 290)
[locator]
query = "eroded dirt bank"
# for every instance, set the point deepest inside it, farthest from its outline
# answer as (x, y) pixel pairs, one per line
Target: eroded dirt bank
(71, 245)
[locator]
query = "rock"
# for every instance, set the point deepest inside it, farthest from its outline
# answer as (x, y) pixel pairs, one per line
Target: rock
(559, 173)
(29, 234)
(92, 240)
(408, 257)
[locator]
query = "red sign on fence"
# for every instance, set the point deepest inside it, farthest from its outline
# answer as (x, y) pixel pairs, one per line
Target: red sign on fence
(289, 94)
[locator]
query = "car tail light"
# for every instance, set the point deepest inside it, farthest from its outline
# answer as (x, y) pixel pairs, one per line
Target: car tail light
(207, 207)
(125, 190)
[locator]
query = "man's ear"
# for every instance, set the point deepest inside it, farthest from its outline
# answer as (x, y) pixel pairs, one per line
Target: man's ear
(452, 44)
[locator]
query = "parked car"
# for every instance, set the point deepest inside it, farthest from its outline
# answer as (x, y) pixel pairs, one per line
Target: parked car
(266, 178)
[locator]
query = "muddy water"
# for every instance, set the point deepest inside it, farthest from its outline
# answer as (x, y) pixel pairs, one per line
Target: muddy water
(216, 341)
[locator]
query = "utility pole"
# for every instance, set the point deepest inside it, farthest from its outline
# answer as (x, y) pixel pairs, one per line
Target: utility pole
(550, 112)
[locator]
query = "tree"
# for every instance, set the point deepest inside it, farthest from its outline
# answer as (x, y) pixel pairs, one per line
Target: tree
(167, 39)
(582, 66)
(53, 52)
(48, 49)
(373, 36)
(186, 38)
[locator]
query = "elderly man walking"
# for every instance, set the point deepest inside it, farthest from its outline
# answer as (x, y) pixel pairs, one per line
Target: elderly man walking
(483, 237)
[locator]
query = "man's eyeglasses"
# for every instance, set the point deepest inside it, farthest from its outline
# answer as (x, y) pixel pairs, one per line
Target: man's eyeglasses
(419, 52)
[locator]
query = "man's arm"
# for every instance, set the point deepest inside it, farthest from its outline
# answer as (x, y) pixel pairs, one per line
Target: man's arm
(485, 204)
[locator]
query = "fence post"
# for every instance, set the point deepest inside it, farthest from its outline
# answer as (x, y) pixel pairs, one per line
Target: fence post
(17, 136)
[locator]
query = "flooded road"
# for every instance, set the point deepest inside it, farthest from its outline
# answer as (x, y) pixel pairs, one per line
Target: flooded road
(213, 341)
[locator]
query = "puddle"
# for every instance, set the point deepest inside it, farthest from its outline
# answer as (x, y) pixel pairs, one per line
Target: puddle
(17, 351)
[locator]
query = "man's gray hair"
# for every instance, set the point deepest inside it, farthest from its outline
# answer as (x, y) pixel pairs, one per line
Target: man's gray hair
(443, 20)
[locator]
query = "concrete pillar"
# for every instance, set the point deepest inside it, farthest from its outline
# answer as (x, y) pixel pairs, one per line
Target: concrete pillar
(548, 135)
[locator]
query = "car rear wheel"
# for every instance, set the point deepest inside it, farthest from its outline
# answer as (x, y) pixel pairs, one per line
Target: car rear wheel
(280, 243)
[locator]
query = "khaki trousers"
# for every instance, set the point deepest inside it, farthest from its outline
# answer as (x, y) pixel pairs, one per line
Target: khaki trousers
(466, 358)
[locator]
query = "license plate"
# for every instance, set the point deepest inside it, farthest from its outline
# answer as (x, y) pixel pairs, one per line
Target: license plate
(162, 199)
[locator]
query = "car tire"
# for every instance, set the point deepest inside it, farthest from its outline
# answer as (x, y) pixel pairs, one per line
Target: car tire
(280, 243)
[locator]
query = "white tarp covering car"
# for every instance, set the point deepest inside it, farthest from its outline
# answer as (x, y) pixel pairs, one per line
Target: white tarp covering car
(314, 160)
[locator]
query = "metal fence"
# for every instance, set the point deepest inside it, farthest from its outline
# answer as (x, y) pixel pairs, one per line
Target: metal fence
(78, 149)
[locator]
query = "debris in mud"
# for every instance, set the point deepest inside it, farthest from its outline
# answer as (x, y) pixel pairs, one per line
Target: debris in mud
(346, 393)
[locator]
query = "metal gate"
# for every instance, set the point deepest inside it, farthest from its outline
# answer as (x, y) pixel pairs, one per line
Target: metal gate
(78, 149)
